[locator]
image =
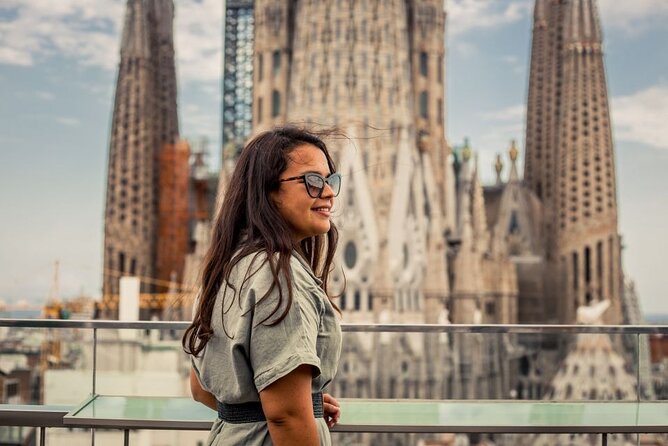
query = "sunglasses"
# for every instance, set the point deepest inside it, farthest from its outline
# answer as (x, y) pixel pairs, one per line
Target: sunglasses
(315, 183)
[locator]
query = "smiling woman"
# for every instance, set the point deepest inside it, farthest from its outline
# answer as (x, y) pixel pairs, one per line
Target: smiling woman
(265, 340)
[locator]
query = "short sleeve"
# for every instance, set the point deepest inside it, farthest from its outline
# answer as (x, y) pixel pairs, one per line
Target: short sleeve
(278, 349)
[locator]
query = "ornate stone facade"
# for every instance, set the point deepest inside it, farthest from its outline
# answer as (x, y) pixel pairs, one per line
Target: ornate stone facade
(414, 242)
(375, 70)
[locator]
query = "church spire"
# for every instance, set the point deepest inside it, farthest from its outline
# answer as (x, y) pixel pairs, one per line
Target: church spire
(135, 38)
(582, 25)
(569, 158)
(144, 120)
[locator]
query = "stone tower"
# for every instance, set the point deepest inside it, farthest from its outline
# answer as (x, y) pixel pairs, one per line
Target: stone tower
(569, 162)
(375, 70)
(144, 124)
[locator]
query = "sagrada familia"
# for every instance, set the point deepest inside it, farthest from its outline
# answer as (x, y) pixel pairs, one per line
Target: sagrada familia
(422, 240)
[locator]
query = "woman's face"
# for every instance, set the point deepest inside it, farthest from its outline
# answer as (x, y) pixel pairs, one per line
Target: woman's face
(305, 215)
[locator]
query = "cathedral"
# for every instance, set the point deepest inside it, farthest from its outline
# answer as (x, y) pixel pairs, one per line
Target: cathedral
(422, 240)
(421, 236)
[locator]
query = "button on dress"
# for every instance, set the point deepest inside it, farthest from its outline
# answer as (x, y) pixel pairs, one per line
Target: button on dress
(236, 366)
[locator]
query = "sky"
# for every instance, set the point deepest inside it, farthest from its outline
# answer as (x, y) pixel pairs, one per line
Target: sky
(58, 62)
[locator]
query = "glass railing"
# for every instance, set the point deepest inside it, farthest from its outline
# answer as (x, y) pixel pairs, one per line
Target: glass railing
(61, 363)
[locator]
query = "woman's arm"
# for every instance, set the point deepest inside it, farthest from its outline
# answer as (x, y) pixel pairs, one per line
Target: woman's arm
(200, 394)
(288, 406)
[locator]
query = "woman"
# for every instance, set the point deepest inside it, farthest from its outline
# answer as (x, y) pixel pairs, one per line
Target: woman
(265, 339)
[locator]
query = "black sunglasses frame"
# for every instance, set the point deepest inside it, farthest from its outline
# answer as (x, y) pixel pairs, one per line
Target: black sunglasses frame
(325, 180)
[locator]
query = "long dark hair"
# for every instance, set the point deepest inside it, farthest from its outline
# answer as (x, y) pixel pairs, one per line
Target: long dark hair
(249, 223)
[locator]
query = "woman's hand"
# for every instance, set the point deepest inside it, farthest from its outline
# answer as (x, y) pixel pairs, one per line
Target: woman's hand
(331, 408)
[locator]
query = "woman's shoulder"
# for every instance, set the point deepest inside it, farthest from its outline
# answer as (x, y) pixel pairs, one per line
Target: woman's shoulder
(256, 269)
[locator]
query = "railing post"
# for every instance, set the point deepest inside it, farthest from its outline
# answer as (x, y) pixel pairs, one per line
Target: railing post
(126, 437)
(92, 431)
(638, 367)
(605, 439)
(638, 359)
(94, 357)
(42, 435)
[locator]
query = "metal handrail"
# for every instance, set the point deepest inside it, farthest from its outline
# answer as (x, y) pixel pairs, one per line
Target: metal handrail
(356, 328)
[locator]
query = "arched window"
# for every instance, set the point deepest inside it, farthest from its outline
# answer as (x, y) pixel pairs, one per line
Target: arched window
(424, 64)
(276, 61)
(275, 103)
(424, 105)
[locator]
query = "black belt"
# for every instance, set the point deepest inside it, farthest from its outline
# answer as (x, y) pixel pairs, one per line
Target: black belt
(252, 412)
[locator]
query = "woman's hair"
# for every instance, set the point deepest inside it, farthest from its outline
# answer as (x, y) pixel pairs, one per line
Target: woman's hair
(249, 222)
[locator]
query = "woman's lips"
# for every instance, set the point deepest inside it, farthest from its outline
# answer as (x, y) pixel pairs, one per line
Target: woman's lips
(324, 211)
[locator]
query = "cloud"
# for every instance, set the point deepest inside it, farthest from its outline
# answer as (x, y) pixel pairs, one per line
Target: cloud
(78, 29)
(198, 40)
(68, 121)
(89, 33)
(465, 49)
(634, 16)
(12, 56)
(199, 122)
(44, 95)
(468, 15)
(512, 113)
(642, 116)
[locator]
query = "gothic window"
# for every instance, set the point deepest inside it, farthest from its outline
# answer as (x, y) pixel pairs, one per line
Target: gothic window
(490, 308)
(587, 264)
(358, 300)
(440, 69)
(121, 262)
(260, 67)
(575, 271)
(275, 103)
(439, 107)
(424, 64)
(424, 105)
(276, 61)
(514, 227)
(133, 266)
(350, 255)
(259, 110)
(599, 262)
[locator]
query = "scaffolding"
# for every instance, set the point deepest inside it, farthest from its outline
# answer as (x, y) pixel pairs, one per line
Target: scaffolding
(237, 75)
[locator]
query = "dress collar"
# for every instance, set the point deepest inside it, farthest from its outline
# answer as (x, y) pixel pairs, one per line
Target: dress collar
(306, 266)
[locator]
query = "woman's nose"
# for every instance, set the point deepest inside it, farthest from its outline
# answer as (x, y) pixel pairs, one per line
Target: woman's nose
(327, 191)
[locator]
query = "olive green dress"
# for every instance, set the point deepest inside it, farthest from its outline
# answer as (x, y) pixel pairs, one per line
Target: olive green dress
(235, 370)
